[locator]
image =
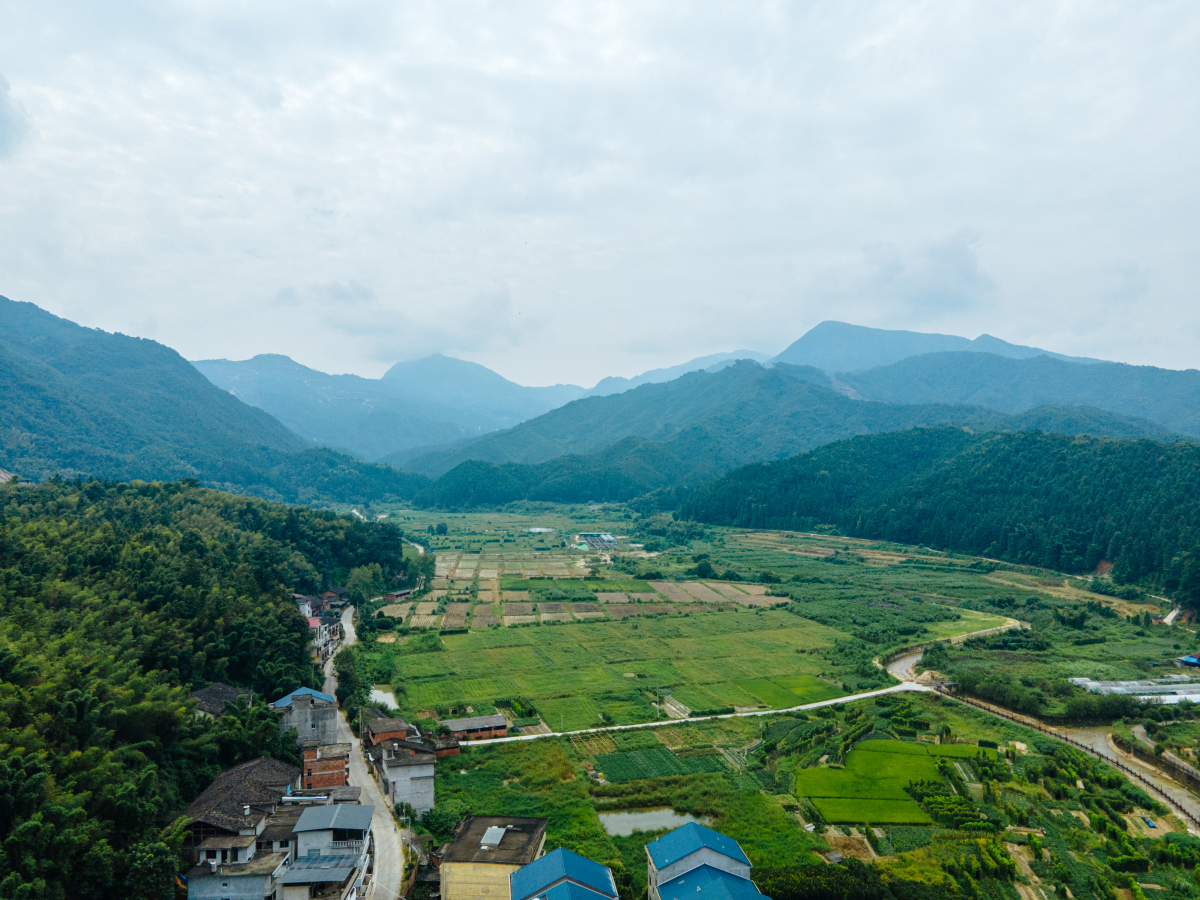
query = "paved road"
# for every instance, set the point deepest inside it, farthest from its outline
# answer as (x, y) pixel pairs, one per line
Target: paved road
(389, 848)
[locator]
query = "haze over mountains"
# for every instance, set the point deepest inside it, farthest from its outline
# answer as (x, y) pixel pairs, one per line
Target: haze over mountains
(81, 401)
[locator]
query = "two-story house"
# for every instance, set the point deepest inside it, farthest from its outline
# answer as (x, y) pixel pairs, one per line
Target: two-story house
(696, 863)
(332, 848)
(405, 771)
(562, 875)
(311, 713)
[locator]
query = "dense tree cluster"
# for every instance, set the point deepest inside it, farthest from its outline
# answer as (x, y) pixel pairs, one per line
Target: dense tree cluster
(116, 600)
(1056, 501)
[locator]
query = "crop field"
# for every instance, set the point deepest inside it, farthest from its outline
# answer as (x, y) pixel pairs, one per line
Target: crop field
(875, 811)
(787, 691)
(656, 762)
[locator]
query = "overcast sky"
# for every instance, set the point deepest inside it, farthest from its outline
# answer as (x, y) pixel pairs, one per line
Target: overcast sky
(568, 191)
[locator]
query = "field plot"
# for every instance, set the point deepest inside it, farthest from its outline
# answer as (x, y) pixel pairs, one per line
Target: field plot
(519, 620)
(514, 596)
(877, 812)
(425, 621)
(655, 762)
(727, 590)
(673, 591)
(557, 617)
(623, 610)
(484, 621)
(783, 693)
(645, 598)
(397, 610)
(551, 607)
(701, 592)
(426, 609)
(610, 597)
(518, 609)
(574, 672)
(449, 621)
(657, 609)
(458, 609)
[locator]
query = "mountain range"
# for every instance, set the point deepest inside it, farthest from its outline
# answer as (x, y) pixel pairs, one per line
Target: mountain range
(80, 401)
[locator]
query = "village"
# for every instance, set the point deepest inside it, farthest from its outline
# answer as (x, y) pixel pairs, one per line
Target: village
(333, 829)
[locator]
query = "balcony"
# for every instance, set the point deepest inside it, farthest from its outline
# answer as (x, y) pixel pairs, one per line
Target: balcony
(351, 846)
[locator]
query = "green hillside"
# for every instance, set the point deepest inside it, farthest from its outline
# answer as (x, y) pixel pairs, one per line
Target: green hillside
(116, 601)
(1170, 398)
(1055, 501)
(79, 401)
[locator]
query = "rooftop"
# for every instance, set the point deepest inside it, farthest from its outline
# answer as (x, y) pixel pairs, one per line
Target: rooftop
(522, 839)
(280, 825)
(227, 841)
(259, 864)
(709, 883)
(336, 815)
(258, 783)
(386, 726)
(213, 698)
(319, 869)
(474, 722)
(686, 840)
(286, 699)
(568, 890)
(555, 866)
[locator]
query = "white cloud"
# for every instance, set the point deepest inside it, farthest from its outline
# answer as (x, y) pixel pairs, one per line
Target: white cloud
(567, 191)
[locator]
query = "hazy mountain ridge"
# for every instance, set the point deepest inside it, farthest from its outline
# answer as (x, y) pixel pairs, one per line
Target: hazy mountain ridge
(80, 401)
(1166, 396)
(840, 347)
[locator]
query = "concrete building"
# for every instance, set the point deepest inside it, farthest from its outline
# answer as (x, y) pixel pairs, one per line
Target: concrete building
(696, 863)
(405, 771)
(562, 875)
(325, 765)
(254, 879)
(389, 730)
(477, 728)
(485, 851)
(333, 846)
(312, 714)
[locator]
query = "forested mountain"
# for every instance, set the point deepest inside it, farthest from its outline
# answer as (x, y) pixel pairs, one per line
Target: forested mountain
(424, 402)
(1166, 396)
(1056, 501)
(635, 466)
(750, 411)
(841, 347)
(82, 401)
(116, 601)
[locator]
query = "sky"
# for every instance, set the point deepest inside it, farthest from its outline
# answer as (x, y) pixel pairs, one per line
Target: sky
(566, 191)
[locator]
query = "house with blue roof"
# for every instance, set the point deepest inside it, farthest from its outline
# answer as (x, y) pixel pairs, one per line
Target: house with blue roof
(311, 714)
(697, 863)
(562, 875)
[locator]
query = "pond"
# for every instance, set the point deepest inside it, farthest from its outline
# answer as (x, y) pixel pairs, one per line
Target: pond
(622, 824)
(386, 698)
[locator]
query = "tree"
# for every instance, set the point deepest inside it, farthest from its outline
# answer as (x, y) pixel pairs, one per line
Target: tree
(365, 582)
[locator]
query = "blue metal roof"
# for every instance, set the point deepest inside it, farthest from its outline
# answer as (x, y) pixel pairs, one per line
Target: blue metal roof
(708, 883)
(286, 699)
(555, 866)
(569, 890)
(686, 840)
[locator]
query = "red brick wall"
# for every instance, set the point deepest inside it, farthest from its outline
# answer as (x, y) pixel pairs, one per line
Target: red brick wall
(324, 773)
(480, 735)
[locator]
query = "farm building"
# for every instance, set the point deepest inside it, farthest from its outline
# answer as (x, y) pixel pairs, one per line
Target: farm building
(477, 728)
(696, 863)
(562, 875)
(598, 540)
(485, 851)
(388, 730)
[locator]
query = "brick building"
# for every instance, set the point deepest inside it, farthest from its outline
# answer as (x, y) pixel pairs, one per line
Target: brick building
(325, 765)
(477, 728)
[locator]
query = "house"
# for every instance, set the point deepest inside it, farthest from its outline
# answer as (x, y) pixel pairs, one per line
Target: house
(332, 852)
(324, 634)
(236, 806)
(336, 596)
(696, 863)
(485, 851)
(257, 877)
(325, 765)
(477, 728)
(312, 714)
(562, 875)
(405, 771)
(388, 730)
(309, 606)
(210, 701)
(445, 745)
(393, 596)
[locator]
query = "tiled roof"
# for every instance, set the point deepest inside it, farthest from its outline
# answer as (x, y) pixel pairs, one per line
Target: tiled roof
(257, 784)
(385, 726)
(709, 883)
(555, 866)
(213, 698)
(286, 699)
(686, 840)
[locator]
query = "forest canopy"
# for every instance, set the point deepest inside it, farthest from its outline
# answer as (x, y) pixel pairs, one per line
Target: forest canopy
(116, 601)
(1056, 501)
